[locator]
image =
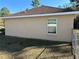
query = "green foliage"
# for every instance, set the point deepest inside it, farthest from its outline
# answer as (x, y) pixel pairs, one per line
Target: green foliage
(2, 31)
(75, 6)
(35, 3)
(72, 6)
(4, 11)
(68, 9)
(76, 22)
(27, 9)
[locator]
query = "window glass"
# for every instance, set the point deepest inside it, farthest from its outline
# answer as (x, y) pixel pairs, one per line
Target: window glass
(52, 26)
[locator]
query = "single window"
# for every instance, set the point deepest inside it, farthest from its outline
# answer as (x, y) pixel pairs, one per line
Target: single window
(52, 26)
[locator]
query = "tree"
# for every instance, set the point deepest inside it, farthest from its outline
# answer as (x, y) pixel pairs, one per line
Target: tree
(75, 3)
(35, 3)
(4, 11)
(73, 6)
(76, 22)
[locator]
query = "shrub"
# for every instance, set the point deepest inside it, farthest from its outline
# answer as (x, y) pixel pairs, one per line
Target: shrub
(2, 30)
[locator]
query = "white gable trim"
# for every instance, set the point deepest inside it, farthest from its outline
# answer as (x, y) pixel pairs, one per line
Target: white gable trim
(51, 14)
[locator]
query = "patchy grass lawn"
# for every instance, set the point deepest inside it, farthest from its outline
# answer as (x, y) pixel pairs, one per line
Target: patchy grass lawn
(22, 48)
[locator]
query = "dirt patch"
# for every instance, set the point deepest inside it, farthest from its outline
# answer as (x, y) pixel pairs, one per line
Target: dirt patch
(23, 48)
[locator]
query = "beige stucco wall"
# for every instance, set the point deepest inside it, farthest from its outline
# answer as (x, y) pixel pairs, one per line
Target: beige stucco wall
(36, 27)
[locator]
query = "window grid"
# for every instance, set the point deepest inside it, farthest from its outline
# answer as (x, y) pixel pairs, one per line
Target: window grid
(52, 26)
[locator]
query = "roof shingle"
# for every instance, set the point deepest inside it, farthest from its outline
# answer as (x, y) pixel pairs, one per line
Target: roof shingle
(39, 10)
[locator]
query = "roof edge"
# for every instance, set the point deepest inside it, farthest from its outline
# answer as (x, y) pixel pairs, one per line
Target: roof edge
(37, 15)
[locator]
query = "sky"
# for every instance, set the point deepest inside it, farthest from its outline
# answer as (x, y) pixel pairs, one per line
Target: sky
(20, 5)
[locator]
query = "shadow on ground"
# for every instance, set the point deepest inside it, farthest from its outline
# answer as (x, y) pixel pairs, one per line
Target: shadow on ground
(20, 45)
(13, 44)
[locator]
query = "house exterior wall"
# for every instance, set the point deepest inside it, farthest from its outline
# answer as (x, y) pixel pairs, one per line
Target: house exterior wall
(36, 27)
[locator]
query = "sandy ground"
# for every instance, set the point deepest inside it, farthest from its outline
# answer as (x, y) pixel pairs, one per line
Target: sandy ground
(21, 48)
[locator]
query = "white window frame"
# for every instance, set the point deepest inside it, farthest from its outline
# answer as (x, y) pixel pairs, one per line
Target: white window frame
(56, 26)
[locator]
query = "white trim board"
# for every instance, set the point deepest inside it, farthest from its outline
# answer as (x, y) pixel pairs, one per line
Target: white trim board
(51, 14)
